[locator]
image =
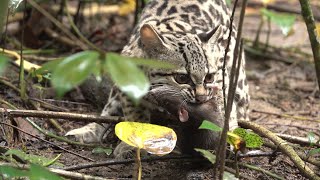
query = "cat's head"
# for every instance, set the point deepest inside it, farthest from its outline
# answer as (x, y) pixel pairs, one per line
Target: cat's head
(195, 57)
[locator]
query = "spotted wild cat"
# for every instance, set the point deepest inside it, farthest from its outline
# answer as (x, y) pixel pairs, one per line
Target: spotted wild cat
(192, 35)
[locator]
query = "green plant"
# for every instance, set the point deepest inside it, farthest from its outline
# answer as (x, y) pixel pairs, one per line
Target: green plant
(124, 71)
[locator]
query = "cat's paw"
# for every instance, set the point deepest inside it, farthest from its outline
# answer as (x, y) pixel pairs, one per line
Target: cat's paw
(125, 151)
(90, 133)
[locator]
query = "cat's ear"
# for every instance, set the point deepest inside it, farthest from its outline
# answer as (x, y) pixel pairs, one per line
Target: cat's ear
(150, 38)
(212, 36)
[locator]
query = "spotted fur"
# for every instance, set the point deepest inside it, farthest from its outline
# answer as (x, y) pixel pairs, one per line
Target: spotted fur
(192, 35)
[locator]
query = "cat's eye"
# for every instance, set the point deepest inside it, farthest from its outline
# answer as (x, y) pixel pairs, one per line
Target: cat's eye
(209, 78)
(182, 78)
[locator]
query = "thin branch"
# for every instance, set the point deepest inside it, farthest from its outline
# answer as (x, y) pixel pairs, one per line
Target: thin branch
(287, 116)
(51, 143)
(236, 64)
(62, 115)
(222, 147)
(57, 23)
(275, 176)
(22, 82)
(129, 161)
(311, 26)
(280, 8)
(75, 28)
(297, 140)
(283, 146)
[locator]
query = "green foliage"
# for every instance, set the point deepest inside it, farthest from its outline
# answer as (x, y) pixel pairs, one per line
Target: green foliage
(124, 71)
(73, 70)
(207, 154)
(314, 152)
(100, 150)
(229, 176)
(312, 138)
(3, 63)
(228, 2)
(43, 161)
(14, 4)
(3, 13)
(35, 172)
(127, 76)
(210, 126)
(283, 20)
(9, 172)
(252, 139)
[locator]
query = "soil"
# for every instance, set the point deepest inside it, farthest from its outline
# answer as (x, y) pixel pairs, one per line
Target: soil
(284, 98)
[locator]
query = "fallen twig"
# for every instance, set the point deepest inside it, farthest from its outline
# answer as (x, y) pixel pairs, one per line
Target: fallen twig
(280, 8)
(58, 24)
(296, 139)
(287, 116)
(261, 170)
(129, 161)
(283, 146)
(62, 115)
(51, 143)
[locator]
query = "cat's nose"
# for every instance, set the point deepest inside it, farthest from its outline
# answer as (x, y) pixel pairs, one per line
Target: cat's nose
(201, 98)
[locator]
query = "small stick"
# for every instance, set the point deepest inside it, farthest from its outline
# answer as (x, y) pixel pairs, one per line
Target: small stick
(287, 116)
(311, 26)
(62, 115)
(283, 146)
(53, 144)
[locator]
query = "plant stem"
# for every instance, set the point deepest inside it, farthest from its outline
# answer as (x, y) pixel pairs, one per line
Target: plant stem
(139, 164)
(236, 64)
(255, 43)
(75, 28)
(22, 82)
(315, 45)
(3, 13)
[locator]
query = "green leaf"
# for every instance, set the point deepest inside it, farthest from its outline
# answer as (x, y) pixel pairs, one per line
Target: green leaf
(100, 150)
(40, 173)
(210, 126)
(48, 67)
(73, 70)
(207, 154)
(3, 63)
(127, 76)
(8, 172)
(312, 138)
(33, 158)
(251, 139)
(229, 176)
(283, 20)
(228, 2)
(314, 152)
(145, 62)
(240, 132)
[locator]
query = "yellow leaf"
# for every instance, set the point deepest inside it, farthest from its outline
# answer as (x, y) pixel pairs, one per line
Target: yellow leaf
(154, 139)
(266, 2)
(128, 7)
(236, 141)
(317, 32)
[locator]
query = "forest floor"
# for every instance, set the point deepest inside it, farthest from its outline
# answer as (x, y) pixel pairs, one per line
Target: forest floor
(284, 98)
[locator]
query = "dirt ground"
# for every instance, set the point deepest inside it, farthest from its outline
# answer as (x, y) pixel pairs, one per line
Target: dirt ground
(284, 98)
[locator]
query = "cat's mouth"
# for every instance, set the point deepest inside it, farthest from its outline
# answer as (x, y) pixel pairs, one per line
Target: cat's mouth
(183, 114)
